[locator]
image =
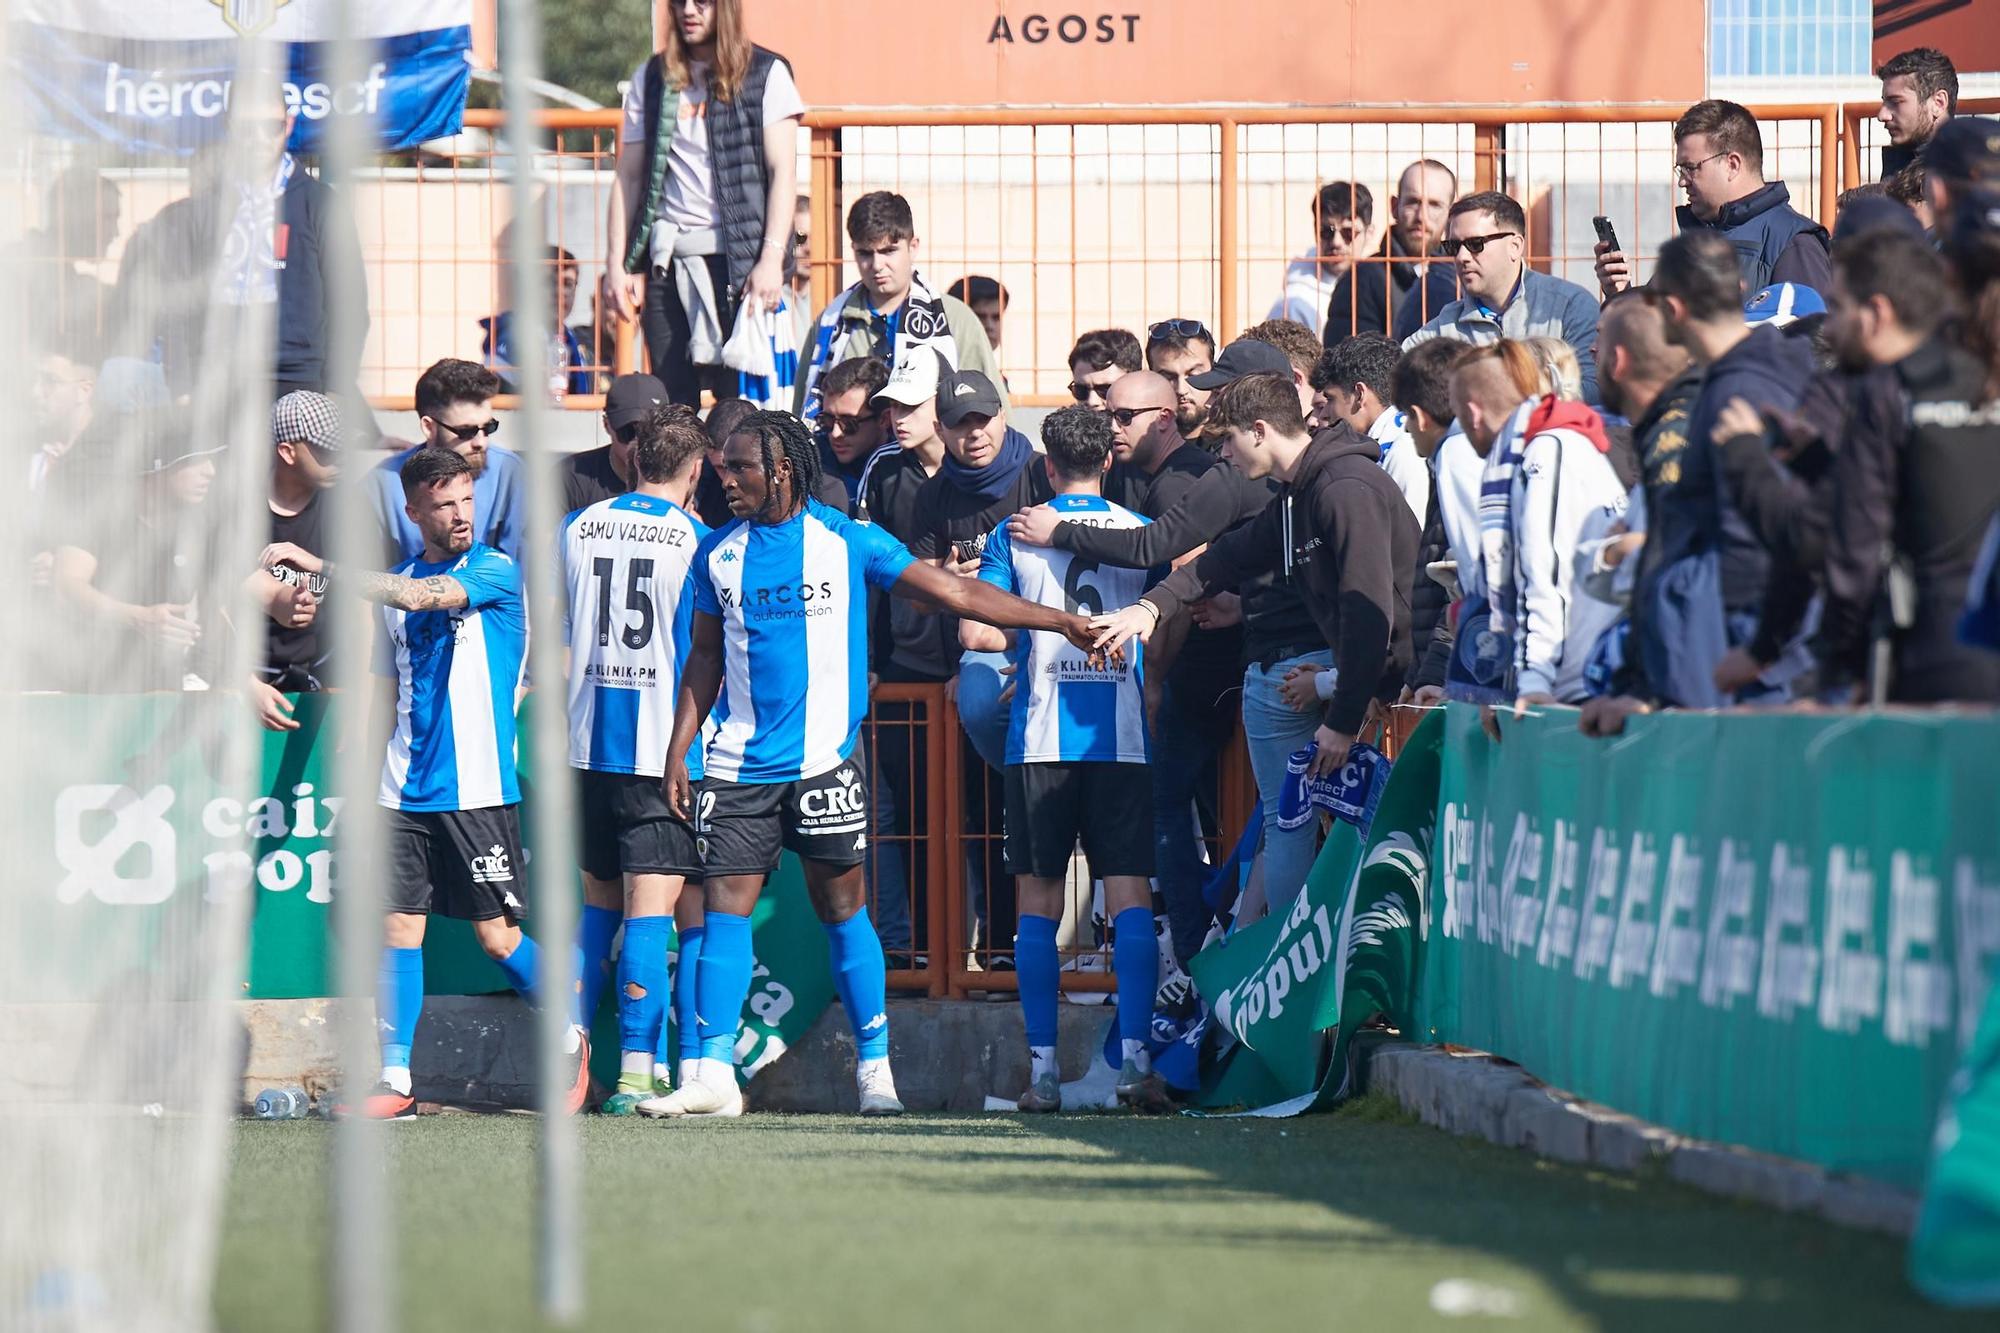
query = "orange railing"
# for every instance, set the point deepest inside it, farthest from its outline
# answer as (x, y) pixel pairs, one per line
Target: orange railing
(1090, 217)
(957, 935)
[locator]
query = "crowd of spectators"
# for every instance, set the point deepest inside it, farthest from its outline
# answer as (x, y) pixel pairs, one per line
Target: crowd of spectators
(1767, 476)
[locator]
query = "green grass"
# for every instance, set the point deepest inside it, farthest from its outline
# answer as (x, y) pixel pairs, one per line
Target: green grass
(961, 1224)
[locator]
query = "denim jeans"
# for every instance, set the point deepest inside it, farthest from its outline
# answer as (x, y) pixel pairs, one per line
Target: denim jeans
(1272, 729)
(1191, 733)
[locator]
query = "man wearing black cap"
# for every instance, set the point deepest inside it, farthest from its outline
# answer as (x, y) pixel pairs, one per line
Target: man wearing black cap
(605, 472)
(291, 578)
(1245, 356)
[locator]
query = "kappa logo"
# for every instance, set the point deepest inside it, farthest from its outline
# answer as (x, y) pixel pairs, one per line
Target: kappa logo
(728, 556)
(844, 777)
(249, 17)
(125, 822)
(493, 868)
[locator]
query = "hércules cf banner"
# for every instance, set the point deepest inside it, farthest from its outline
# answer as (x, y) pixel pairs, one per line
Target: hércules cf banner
(158, 77)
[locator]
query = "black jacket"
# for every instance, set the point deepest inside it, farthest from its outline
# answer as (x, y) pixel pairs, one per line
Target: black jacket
(1342, 532)
(167, 277)
(1428, 599)
(905, 641)
(1370, 296)
(1276, 624)
(1660, 439)
(1774, 242)
(1917, 480)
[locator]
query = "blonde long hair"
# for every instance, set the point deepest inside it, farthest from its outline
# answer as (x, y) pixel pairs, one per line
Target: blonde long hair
(732, 51)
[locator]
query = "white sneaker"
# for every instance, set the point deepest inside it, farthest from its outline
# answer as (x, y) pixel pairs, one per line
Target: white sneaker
(877, 1087)
(696, 1098)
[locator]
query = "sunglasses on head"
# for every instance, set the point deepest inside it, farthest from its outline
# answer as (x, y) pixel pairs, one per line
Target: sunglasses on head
(1183, 329)
(486, 427)
(1476, 244)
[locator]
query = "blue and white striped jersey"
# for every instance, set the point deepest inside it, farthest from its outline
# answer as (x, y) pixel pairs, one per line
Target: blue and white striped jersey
(627, 570)
(456, 676)
(1066, 710)
(793, 601)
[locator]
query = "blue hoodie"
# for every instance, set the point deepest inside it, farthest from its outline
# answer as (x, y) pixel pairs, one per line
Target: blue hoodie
(1702, 581)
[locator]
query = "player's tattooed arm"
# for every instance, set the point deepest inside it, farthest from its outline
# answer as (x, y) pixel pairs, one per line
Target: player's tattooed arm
(439, 592)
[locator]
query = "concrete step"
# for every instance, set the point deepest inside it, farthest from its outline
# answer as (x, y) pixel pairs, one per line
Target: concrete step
(479, 1051)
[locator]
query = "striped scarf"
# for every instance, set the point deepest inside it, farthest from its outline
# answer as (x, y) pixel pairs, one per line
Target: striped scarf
(921, 322)
(772, 391)
(1496, 529)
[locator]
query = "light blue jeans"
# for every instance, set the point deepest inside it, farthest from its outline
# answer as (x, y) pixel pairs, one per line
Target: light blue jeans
(1273, 730)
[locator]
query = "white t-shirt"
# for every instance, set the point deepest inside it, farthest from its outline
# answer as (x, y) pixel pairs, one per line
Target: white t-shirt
(688, 202)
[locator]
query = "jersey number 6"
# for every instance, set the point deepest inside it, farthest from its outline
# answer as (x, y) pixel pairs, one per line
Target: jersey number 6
(1082, 599)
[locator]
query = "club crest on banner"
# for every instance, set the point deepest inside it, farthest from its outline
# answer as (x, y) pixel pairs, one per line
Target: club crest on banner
(249, 17)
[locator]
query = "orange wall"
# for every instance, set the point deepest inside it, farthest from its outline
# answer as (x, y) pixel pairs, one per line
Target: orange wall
(1966, 30)
(1143, 52)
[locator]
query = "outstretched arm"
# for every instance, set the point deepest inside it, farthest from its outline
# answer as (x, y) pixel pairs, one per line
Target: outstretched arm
(439, 592)
(976, 600)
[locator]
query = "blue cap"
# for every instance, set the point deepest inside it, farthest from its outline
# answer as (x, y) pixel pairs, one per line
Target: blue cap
(1783, 303)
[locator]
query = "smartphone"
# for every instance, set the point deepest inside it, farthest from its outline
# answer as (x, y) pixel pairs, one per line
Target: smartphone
(1606, 234)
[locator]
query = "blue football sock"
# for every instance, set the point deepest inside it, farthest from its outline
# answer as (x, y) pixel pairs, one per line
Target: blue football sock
(642, 968)
(399, 1001)
(519, 967)
(686, 1037)
(1037, 968)
(1135, 958)
(722, 984)
(599, 928)
(862, 978)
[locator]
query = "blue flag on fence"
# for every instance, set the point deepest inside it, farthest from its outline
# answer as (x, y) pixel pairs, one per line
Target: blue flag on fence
(158, 78)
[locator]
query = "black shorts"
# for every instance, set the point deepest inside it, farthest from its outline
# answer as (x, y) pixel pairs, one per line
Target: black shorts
(1051, 806)
(629, 829)
(743, 827)
(459, 863)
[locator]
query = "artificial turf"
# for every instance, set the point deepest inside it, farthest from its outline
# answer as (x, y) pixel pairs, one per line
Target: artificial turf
(775, 1223)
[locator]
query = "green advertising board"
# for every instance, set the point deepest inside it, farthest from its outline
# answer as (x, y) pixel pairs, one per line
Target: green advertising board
(1289, 992)
(1772, 930)
(144, 839)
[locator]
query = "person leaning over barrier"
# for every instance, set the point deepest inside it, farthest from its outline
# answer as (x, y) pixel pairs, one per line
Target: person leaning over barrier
(1339, 530)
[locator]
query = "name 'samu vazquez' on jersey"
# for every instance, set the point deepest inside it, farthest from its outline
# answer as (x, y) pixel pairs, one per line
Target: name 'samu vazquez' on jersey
(1065, 709)
(793, 601)
(457, 673)
(627, 566)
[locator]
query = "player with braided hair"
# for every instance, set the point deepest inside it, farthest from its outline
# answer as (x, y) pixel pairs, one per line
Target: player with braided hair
(779, 656)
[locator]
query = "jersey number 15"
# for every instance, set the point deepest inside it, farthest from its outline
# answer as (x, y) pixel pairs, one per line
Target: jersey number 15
(640, 572)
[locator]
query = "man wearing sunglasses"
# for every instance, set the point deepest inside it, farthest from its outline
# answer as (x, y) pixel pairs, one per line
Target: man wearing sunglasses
(1175, 350)
(1343, 214)
(455, 412)
(1096, 362)
(592, 476)
(1486, 233)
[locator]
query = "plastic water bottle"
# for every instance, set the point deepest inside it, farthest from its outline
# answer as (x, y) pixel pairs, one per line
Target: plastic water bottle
(558, 369)
(283, 1104)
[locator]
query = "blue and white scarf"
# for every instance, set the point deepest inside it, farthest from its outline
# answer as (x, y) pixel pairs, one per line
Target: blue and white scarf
(1496, 526)
(920, 321)
(252, 252)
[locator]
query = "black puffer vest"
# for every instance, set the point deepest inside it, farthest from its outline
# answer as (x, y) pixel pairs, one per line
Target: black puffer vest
(735, 155)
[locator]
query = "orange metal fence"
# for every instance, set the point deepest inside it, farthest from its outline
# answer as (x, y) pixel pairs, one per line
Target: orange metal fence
(1090, 217)
(939, 892)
